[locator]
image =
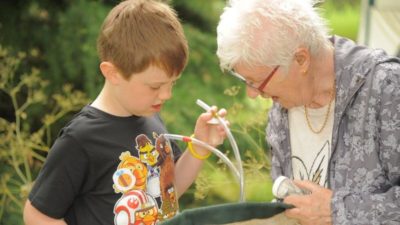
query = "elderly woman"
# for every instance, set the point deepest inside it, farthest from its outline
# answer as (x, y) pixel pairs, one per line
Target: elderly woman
(335, 122)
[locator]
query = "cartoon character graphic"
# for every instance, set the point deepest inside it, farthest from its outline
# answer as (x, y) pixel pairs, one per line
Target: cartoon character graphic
(130, 175)
(146, 216)
(147, 152)
(163, 148)
(135, 208)
(146, 182)
(169, 205)
(149, 155)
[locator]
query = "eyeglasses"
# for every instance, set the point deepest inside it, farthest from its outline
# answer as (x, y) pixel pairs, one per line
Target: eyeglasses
(251, 85)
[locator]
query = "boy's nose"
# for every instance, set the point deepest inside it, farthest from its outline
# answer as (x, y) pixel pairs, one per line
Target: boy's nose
(165, 93)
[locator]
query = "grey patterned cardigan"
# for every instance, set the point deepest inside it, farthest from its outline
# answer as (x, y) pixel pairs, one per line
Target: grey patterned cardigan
(364, 168)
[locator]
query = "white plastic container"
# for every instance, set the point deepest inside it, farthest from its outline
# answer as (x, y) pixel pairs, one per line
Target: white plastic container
(284, 186)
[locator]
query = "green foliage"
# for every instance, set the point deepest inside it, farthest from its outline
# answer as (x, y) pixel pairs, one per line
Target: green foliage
(73, 56)
(343, 20)
(202, 16)
(23, 149)
(23, 23)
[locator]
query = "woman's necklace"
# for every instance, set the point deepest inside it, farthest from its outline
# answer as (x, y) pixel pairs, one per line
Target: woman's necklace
(326, 115)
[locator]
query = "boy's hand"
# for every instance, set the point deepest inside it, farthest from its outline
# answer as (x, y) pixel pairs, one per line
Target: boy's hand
(213, 134)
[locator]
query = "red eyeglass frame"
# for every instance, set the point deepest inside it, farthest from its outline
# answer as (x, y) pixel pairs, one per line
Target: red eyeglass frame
(262, 85)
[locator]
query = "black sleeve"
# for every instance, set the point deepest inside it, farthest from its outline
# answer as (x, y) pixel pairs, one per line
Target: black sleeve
(176, 150)
(60, 179)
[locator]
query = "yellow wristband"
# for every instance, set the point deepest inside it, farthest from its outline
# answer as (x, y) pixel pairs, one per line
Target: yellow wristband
(194, 153)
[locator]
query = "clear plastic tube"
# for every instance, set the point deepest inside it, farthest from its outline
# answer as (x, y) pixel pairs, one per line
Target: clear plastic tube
(238, 170)
(235, 148)
(220, 155)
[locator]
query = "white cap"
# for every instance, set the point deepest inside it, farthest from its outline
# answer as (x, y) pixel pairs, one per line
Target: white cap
(276, 187)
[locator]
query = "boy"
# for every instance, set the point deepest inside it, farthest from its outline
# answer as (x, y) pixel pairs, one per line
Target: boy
(111, 164)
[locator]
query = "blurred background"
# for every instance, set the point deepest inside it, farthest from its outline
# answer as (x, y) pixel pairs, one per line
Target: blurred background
(49, 70)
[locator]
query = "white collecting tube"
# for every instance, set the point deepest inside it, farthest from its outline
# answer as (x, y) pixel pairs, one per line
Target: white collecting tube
(284, 187)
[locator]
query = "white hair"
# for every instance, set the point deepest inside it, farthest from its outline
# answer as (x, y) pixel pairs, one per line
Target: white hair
(268, 32)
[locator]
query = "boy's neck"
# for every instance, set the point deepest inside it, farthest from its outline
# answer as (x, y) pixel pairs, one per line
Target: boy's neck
(104, 103)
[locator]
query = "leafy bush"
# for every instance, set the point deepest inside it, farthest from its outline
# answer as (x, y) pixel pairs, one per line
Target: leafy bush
(22, 148)
(73, 57)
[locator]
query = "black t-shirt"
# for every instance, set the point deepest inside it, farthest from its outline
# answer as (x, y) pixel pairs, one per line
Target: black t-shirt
(104, 169)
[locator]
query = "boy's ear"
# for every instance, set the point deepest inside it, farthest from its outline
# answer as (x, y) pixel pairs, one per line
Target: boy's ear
(302, 57)
(110, 72)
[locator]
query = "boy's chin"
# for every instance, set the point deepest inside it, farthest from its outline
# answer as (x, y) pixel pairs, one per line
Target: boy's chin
(149, 114)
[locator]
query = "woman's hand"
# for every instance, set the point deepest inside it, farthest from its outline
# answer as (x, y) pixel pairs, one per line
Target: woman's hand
(311, 209)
